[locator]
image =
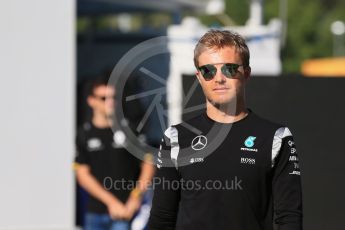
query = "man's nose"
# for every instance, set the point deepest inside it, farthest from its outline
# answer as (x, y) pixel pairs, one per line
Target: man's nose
(110, 100)
(220, 78)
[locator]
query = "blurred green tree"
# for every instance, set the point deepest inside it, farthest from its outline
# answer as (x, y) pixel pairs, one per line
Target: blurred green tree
(308, 32)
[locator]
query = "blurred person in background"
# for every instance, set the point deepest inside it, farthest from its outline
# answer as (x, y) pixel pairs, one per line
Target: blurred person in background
(256, 164)
(113, 177)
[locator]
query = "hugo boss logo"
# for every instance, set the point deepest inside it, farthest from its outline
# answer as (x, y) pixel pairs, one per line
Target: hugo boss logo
(246, 160)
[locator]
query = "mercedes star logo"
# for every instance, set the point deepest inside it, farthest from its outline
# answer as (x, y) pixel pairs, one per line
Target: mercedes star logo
(199, 142)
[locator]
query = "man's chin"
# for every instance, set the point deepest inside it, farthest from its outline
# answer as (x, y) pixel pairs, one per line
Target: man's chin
(223, 102)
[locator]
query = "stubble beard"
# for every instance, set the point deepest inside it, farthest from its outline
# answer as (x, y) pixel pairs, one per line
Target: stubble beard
(229, 105)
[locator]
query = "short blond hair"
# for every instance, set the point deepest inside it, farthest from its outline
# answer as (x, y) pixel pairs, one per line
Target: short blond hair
(217, 39)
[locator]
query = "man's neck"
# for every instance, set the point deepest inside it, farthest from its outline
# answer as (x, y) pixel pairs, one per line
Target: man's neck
(101, 120)
(228, 113)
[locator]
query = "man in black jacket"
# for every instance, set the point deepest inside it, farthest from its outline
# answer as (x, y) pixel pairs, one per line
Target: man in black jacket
(232, 169)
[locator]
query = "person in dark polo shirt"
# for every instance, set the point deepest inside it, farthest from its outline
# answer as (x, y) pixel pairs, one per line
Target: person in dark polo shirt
(114, 178)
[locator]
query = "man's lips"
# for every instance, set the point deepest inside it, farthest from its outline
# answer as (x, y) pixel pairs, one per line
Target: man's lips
(220, 89)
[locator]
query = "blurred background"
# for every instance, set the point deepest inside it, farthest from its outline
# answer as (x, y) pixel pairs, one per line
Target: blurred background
(50, 50)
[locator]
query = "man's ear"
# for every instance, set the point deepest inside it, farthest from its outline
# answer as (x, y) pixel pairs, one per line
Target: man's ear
(90, 101)
(247, 72)
(197, 74)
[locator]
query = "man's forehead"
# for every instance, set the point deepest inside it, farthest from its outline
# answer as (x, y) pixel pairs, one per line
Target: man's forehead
(105, 89)
(218, 54)
(216, 50)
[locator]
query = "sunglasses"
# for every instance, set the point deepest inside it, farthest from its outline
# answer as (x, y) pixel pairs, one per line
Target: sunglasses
(228, 69)
(103, 98)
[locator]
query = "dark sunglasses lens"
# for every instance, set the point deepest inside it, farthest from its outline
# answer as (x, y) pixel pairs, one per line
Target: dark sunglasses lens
(104, 98)
(208, 71)
(229, 70)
